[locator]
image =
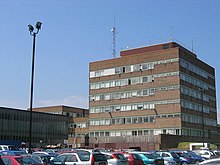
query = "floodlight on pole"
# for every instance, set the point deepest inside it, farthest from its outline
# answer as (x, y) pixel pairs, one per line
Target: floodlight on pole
(32, 33)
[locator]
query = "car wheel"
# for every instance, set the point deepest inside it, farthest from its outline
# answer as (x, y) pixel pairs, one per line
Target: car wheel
(197, 162)
(184, 163)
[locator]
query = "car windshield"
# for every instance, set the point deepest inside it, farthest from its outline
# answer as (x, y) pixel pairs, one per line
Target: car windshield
(27, 161)
(155, 155)
(184, 154)
(51, 159)
(175, 155)
(84, 155)
(193, 154)
(149, 156)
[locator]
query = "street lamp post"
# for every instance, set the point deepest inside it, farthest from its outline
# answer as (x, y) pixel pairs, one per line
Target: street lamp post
(32, 33)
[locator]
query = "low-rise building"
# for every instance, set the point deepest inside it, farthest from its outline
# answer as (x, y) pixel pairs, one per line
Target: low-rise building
(46, 128)
(78, 122)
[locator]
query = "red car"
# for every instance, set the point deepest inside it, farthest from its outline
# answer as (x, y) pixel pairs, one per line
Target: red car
(19, 160)
(134, 159)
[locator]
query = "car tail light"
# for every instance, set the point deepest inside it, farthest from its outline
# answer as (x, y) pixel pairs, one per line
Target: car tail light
(93, 160)
(114, 157)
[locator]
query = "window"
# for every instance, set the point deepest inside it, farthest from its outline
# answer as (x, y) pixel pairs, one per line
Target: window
(140, 106)
(102, 134)
(128, 120)
(145, 79)
(118, 70)
(146, 119)
(134, 133)
(135, 120)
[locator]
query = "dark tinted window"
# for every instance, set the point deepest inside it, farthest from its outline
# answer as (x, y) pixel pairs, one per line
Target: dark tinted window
(149, 156)
(136, 157)
(99, 157)
(174, 155)
(7, 161)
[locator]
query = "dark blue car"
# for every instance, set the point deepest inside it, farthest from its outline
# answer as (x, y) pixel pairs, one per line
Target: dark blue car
(13, 153)
(196, 157)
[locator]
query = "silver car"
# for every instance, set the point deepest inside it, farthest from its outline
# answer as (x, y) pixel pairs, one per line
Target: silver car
(83, 157)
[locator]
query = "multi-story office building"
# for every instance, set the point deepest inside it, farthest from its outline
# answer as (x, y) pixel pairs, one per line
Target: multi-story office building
(46, 128)
(151, 91)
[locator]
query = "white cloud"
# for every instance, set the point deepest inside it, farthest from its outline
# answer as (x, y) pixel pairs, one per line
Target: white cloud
(17, 104)
(73, 101)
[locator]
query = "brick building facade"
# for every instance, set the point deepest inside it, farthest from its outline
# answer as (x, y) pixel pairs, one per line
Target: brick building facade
(152, 91)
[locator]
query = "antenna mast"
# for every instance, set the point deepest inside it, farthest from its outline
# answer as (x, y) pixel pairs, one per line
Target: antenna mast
(171, 32)
(113, 30)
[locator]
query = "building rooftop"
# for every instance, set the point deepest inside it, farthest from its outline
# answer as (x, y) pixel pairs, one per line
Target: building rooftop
(155, 47)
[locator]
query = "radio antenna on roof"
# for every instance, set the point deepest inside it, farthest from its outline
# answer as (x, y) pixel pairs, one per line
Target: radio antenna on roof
(113, 30)
(192, 45)
(171, 32)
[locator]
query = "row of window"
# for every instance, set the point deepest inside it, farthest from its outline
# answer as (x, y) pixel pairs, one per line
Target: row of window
(198, 120)
(133, 106)
(128, 94)
(147, 79)
(130, 81)
(173, 131)
(130, 120)
(73, 114)
(195, 94)
(195, 69)
(78, 125)
(149, 119)
(129, 68)
(195, 81)
(196, 132)
(150, 65)
(196, 107)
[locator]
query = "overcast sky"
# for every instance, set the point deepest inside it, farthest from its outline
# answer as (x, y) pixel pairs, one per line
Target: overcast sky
(76, 32)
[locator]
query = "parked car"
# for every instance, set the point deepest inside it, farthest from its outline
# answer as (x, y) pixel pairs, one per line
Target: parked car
(19, 160)
(134, 159)
(166, 161)
(217, 153)
(115, 158)
(45, 153)
(13, 153)
(83, 157)
(170, 155)
(185, 159)
(149, 158)
(49, 160)
(195, 156)
(206, 154)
